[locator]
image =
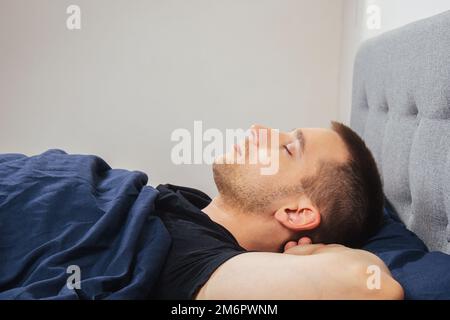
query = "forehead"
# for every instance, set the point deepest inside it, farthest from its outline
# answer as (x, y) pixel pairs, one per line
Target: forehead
(324, 144)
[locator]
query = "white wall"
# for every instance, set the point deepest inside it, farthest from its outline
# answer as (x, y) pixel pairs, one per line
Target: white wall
(393, 14)
(139, 69)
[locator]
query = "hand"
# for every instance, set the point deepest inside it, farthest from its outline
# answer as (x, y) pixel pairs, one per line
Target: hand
(304, 246)
(300, 242)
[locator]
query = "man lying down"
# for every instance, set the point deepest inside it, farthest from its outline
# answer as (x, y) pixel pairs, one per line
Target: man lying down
(73, 228)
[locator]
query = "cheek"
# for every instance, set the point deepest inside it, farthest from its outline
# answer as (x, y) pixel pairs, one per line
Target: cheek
(290, 167)
(251, 175)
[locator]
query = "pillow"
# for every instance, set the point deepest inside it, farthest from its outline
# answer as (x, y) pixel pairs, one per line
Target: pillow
(423, 274)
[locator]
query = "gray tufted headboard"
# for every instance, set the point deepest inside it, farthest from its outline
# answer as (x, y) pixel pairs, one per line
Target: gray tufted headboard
(401, 107)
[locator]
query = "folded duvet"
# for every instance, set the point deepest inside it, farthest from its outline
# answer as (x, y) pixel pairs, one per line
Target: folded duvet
(73, 228)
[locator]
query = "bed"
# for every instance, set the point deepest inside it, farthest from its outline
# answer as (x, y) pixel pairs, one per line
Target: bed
(401, 108)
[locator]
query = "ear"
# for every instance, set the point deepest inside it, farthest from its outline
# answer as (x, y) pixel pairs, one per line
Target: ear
(301, 215)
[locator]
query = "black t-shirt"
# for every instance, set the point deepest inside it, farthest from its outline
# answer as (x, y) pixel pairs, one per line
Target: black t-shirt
(199, 245)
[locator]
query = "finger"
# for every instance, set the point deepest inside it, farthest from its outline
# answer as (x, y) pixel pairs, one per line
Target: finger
(304, 250)
(289, 245)
(304, 240)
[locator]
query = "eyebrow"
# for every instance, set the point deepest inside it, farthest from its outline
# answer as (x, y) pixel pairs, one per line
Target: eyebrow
(301, 138)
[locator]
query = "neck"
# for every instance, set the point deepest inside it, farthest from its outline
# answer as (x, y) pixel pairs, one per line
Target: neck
(245, 227)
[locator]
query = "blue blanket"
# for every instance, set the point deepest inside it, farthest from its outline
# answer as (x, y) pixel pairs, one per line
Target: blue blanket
(424, 275)
(73, 228)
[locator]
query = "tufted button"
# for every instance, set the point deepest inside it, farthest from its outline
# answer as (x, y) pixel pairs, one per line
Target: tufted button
(384, 105)
(413, 110)
(365, 100)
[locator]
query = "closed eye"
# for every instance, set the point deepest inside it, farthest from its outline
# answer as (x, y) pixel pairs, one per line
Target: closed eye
(287, 149)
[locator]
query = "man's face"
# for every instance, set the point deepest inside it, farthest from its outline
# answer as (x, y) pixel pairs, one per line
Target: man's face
(299, 153)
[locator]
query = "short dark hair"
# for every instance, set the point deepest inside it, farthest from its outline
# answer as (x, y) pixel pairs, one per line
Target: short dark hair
(349, 195)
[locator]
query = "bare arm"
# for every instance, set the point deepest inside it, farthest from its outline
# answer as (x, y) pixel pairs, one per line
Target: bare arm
(309, 272)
